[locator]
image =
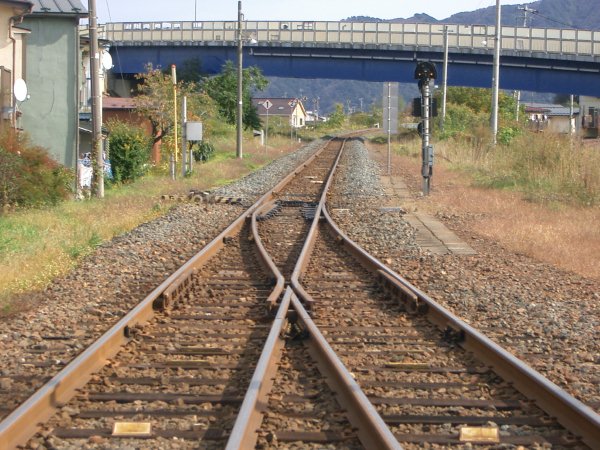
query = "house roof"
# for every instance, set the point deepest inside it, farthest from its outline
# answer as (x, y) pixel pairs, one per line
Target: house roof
(118, 103)
(59, 7)
(549, 109)
(279, 106)
(21, 3)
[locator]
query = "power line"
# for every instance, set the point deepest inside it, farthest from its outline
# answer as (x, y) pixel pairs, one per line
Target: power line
(569, 25)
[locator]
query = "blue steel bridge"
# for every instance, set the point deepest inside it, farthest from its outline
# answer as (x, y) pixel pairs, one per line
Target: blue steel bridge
(533, 59)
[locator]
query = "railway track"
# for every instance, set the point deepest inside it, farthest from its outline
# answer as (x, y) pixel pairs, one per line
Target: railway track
(423, 384)
(283, 333)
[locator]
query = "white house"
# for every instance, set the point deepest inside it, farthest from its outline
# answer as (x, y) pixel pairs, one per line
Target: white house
(291, 108)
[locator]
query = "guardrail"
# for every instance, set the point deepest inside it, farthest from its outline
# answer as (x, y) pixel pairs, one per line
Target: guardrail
(465, 37)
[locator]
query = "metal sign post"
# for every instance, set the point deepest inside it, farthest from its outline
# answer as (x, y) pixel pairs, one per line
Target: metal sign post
(426, 73)
(184, 142)
(390, 116)
(267, 105)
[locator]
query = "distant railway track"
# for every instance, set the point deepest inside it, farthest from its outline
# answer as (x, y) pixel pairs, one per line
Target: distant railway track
(283, 332)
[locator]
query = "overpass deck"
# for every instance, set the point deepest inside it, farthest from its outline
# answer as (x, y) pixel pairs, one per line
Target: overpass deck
(546, 42)
(533, 59)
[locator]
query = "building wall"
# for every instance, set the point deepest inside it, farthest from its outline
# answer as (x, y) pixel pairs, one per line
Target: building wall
(589, 116)
(50, 116)
(6, 12)
(560, 124)
(10, 55)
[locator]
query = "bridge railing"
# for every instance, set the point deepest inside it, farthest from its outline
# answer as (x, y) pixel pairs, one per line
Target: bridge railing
(476, 37)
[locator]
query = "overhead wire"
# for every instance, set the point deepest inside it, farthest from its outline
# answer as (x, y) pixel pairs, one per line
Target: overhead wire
(569, 25)
(116, 48)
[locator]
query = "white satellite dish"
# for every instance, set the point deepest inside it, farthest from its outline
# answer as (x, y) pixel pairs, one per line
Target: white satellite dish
(106, 61)
(20, 89)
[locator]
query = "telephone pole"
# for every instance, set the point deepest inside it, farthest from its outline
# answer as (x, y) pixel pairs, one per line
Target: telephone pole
(240, 91)
(97, 153)
(526, 10)
(496, 73)
(445, 77)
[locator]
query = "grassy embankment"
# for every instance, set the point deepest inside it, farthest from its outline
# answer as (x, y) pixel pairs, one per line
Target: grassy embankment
(540, 196)
(37, 245)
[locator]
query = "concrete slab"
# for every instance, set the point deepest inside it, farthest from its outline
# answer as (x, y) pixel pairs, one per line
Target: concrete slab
(431, 234)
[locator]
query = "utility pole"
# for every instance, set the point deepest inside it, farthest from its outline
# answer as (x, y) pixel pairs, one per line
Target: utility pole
(496, 73)
(97, 153)
(445, 75)
(526, 10)
(174, 153)
(184, 143)
(240, 92)
(389, 128)
(571, 115)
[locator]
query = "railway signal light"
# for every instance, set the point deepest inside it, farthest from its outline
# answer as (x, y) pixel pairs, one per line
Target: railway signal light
(425, 71)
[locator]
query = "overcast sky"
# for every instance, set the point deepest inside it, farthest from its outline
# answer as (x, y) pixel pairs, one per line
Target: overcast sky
(155, 10)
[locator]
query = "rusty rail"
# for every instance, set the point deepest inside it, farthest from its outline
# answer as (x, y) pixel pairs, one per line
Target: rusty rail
(372, 430)
(19, 426)
(570, 412)
(243, 435)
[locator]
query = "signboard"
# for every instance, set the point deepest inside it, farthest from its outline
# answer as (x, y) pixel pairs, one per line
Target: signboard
(390, 107)
(193, 131)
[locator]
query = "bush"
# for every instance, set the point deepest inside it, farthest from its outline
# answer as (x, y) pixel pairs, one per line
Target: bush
(507, 134)
(129, 151)
(28, 175)
(460, 121)
(203, 151)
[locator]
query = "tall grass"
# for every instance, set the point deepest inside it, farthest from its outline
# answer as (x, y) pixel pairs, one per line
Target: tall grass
(546, 167)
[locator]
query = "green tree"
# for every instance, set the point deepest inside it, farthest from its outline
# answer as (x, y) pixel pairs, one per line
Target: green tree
(129, 151)
(155, 100)
(223, 89)
(337, 118)
(470, 108)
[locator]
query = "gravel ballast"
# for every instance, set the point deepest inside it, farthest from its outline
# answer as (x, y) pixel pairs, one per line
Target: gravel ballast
(546, 316)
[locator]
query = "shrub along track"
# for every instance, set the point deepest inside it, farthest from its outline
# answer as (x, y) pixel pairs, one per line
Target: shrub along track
(351, 418)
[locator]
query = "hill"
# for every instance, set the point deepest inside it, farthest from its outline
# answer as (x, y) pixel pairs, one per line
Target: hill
(580, 14)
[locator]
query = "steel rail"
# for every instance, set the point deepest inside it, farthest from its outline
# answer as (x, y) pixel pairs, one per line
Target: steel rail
(21, 424)
(311, 238)
(243, 435)
(575, 416)
(372, 430)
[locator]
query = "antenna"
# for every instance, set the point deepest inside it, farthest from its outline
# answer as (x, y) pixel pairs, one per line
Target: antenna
(20, 89)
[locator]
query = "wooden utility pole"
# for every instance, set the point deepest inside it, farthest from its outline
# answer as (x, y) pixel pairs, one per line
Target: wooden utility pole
(174, 153)
(240, 92)
(97, 153)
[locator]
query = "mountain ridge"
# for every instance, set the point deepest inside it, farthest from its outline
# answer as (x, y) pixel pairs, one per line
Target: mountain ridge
(578, 14)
